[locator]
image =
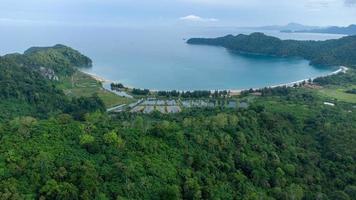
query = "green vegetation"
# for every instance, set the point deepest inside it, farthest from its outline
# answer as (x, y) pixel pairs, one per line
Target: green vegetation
(330, 52)
(341, 94)
(281, 148)
(339, 87)
(60, 58)
(26, 90)
(117, 86)
(140, 92)
(80, 84)
(351, 91)
(286, 145)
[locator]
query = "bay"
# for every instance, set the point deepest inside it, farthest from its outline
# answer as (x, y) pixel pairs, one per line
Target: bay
(159, 58)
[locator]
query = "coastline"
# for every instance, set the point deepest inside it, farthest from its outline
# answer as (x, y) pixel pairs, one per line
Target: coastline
(342, 69)
(96, 77)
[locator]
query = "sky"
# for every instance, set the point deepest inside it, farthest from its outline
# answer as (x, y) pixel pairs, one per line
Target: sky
(177, 12)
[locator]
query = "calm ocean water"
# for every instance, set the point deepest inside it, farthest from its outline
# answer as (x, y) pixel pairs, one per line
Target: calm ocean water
(159, 58)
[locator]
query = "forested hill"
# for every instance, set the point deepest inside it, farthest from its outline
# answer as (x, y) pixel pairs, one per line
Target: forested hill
(60, 58)
(27, 82)
(330, 52)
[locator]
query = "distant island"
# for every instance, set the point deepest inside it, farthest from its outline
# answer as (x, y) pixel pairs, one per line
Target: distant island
(349, 30)
(327, 53)
(289, 27)
(300, 28)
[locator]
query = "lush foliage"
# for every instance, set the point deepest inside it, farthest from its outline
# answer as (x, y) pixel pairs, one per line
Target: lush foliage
(117, 86)
(60, 58)
(352, 91)
(331, 52)
(25, 91)
(280, 148)
(343, 79)
(286, 145)
(137, 91)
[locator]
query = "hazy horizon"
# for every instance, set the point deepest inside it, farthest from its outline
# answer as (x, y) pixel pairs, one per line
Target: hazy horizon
(177, 12)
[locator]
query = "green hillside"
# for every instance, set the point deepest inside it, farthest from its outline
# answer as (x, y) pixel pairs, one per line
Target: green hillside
(28, 83)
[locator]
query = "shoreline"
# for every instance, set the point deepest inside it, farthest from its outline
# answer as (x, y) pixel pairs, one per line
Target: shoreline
(96, 77)
(342, 69)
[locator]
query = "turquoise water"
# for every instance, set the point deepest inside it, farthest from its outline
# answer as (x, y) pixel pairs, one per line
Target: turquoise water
(159, 58)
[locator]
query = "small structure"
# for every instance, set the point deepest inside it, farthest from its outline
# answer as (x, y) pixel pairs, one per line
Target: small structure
(171, 103)
(149, 102)
(329, 104)
(161, 109)
(160, 103)
(173, 109)
(148, 109)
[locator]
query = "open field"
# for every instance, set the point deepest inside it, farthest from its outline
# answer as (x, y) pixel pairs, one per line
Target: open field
(339, 94)
(80, 84)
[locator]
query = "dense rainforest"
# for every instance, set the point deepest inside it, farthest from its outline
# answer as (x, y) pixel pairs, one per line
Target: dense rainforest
(330, 52)
(286, 145)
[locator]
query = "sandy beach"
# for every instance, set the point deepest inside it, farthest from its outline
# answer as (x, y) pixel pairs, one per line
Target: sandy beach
(98, 78)
(342, 69)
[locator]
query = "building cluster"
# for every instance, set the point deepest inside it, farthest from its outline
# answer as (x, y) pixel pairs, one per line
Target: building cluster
(150, 105)
(163, 106)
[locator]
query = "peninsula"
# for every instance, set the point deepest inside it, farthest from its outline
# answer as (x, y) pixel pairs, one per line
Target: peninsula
(334, 52)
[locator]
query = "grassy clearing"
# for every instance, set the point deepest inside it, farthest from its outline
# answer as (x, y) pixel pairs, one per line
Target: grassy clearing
(339, 93)
(83, 85)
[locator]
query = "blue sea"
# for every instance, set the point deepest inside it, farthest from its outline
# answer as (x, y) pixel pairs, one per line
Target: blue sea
(159, 58)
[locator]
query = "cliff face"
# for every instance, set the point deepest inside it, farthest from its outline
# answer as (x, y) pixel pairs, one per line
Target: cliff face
(48, 73)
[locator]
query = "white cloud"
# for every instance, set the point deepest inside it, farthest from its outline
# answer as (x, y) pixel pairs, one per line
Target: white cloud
(195, 18)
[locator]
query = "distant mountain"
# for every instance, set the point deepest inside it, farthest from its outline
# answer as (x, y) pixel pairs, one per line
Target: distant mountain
(288, 27)
(349, 30)
(330, 52)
